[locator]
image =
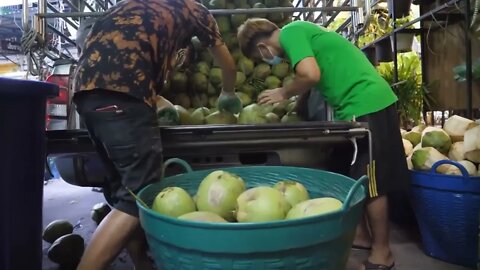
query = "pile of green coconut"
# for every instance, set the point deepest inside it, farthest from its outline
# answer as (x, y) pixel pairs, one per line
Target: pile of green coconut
(194, 91)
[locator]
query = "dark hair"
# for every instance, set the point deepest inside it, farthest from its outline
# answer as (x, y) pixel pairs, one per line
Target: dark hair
(253, 30)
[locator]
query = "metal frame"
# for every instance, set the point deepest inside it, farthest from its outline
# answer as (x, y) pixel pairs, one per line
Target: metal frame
(425, 15)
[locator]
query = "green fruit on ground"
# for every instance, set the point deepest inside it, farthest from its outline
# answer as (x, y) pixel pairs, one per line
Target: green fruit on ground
(67, 251)
(244, 98)
(200, 100)
(286, 3)
(288, 80)
(240, 79)
(99, 212)
(293, 191)
(281, 70)
(241, 3)
(257, 6)
(218, 193)
(291, 117)
(185, 118)
(202, 216)
(230, 40)
(238, 19)
(261, 204)
(245, 65)
(173, 202)
(272, 3)
(200, 82)
(168, 116)
(179, 82)
(56, 229)
(314, 207)
(202, 67)
(218, 4)
(436, 138)
(248, 89)
(413, 137)
(272, 82)
(276, 17)
(206, 56)
(215, 76)
(291, 106)
(280, 108)
(237, 54)
(221, 118)
(211, 90)
(223, 23)
(272, 118)
(212, 101)
(182, 100)
(262, 71)
(213, 110)
(198, 115)
(253, 114)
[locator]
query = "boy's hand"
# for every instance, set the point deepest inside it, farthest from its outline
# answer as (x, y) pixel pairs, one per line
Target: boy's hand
(272, 96)
(229, 102)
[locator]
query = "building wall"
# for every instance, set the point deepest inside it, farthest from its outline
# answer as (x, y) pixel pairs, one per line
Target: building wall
(445, 50)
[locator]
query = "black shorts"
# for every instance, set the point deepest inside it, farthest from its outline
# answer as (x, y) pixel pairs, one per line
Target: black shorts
(388, 171)
(127, 140)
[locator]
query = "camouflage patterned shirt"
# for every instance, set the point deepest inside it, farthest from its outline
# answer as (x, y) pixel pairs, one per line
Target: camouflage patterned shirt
(133, 46)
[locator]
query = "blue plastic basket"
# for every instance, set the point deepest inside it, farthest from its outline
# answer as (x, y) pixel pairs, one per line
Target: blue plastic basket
(315, 243)
(447, 210)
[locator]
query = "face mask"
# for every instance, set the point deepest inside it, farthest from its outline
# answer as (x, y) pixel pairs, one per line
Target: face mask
(274, 61)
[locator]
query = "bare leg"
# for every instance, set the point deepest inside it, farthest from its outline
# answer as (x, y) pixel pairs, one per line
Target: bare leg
(377, 211)
(362, 234)
(137, 249)
(109, 239)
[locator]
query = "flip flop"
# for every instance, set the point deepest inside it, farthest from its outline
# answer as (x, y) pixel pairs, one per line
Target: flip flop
(372, 266)
(359, 247)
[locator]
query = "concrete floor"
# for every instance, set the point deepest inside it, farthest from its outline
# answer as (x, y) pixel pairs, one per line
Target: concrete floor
(64, 201)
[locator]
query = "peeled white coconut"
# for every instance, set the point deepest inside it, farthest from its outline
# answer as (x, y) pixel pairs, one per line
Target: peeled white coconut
(456, 126)
(436, 138)
(472, 139)
(402, 131)
(473, 156)
(174, 202)
(471, 144)
(424, 158)
(218, 193)
(293, 191)
(314, 207)
(202, 216)
(261, 204)
(407, 147)
(409, 162)
(413, 137)
(457, 152)
(419, 128)
(469, 166)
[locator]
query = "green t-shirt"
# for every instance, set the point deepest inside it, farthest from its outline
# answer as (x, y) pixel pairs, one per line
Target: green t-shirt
(348, 81)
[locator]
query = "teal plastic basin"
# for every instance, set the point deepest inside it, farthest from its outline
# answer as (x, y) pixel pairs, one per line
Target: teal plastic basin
(319, 242)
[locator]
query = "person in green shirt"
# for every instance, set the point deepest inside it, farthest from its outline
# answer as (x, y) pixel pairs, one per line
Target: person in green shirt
(350, 84)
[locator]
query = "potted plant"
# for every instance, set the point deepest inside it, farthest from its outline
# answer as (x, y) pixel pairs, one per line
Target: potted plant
(412, 93)
(377, 28)
(402, 8)
(404, 40)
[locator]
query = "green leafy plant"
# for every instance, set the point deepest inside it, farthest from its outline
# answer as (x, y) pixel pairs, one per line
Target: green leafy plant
(412, 93)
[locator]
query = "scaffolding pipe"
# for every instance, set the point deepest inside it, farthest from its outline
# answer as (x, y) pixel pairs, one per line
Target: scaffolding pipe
(41, 24)
(214, 12)
(25, 13)
(67, 20)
